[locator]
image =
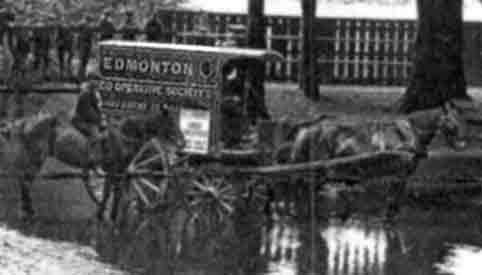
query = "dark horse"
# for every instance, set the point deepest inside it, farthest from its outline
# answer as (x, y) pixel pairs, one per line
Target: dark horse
(335, 138)
(332, 138)
(44, 136)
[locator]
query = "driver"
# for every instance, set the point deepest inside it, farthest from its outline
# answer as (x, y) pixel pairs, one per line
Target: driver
(232, 106)
(88, 117)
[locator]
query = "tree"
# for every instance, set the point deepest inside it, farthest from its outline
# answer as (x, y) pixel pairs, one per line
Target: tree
(256, 24)
(308, 59)
(257, 39)
(75, 9)
(438, 72)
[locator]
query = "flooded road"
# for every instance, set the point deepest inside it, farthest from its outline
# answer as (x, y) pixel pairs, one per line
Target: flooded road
(435, 241)
(426, 239)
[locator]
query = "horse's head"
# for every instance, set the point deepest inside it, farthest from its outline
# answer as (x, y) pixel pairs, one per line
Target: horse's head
(453, 126)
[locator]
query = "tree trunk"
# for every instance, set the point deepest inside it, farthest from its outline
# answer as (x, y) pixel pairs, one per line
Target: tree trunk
(257, 39)
(256, 24)
(438, 67)
(308, 59)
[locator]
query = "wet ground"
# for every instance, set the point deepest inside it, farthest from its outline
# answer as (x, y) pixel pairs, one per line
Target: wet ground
(425, 239)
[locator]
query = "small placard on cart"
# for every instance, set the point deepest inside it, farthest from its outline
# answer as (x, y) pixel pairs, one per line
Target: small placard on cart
(195, 125)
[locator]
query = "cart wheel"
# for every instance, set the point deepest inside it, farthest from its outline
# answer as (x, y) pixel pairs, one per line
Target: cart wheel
(211, 200)
(149, 190)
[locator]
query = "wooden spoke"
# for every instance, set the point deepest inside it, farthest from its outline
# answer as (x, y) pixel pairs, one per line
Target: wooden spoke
(140, 153)
(180, 161)
(211, 197)
(141, 193)
(150, 185)
(227, 207)
(150, 191)
(138, 170)
(200, 186)
(148, 161)
(225, 189)
(157, 145)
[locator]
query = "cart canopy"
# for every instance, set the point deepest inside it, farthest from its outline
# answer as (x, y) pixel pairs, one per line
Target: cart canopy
(230, 53)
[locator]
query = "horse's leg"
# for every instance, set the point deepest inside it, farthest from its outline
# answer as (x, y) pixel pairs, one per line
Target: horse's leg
(106, 193)
(396, 189)
(26, 207)
(69, 64)
(60, 57)
(117, 195)
(270, 199)
(348, 198)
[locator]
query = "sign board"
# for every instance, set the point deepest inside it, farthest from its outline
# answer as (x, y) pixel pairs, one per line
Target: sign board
(159, 65)
(195, 125)
(131, 95)
(136, 78)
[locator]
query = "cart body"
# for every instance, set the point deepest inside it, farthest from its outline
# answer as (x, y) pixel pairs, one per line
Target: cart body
(139, 77)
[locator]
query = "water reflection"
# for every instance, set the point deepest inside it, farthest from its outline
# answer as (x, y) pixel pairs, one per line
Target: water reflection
(345, 248)
(354, 248)
(280, 243)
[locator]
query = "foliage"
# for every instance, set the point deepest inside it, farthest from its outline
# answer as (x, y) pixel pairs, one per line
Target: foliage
(31, 11)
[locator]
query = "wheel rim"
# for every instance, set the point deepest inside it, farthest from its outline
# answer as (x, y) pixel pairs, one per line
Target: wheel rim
(211, 197)
(149, 191)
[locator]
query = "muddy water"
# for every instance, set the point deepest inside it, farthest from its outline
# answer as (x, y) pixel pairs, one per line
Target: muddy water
(426, 239)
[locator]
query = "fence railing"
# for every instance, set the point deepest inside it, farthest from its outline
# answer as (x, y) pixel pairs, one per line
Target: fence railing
(349, 51)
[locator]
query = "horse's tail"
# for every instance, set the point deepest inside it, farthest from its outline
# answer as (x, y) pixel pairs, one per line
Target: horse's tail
(300, 151)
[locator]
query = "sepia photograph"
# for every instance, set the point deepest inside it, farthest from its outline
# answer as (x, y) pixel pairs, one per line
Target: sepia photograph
(240, 137)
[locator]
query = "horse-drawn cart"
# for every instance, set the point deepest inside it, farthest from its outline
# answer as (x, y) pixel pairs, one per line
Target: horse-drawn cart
(184, 131)
(207, 91)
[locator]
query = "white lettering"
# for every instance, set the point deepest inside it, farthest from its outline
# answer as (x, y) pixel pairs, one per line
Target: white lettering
(107, 63)
(144, 66)
(118, 87)
(155, 67)
(131, 65)
(119, 64)
(188, 69)
(165, 66)
(176, 68)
